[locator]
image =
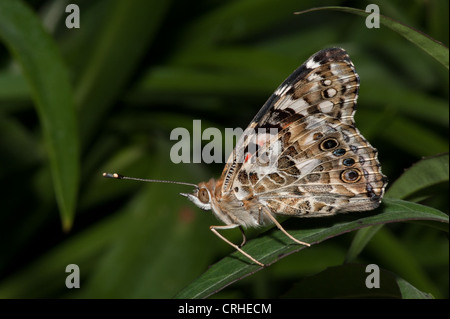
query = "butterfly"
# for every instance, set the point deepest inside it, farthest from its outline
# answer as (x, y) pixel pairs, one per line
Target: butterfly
(301, 155)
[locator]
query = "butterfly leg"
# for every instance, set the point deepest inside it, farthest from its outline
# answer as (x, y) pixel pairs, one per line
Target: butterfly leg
(244, 239)
(267, 212)
(214, 230)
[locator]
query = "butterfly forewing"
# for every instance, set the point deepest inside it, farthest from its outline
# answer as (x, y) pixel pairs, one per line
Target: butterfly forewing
(326, 83)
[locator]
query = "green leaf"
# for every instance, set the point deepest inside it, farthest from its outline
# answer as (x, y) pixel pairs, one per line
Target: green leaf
(408, 291)
(349, 281)
(362, 237)
(425, 173)
(415, 138)
(48, 80)
(434, 48)
(234, 20)
(393, 254)
(13, 86)
(270, 248)
(123, 37)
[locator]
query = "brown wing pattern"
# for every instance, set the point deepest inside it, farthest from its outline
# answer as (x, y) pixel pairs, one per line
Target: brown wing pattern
(316, 162)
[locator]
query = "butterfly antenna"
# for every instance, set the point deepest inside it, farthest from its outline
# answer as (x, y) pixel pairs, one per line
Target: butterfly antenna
(118, 176)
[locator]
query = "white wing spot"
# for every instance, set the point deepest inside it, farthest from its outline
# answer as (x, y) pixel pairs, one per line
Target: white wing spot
(282, 89)
(313, 77)
(299, 105)
(331, 92)
(307, 166)
(326, 106)
(311, 64)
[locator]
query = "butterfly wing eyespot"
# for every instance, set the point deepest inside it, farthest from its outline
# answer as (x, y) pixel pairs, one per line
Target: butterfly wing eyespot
(348, 161)
(317, 136)
(203, 195)
(339, 152)
(329, 144)
(351, 175)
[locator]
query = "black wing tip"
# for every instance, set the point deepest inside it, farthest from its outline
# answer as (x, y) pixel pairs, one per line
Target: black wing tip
(330, 54)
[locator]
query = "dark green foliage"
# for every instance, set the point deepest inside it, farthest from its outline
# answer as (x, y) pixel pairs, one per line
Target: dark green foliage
(77, 102)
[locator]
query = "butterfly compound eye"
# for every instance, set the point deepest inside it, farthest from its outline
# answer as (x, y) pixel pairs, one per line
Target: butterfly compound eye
(203, 195)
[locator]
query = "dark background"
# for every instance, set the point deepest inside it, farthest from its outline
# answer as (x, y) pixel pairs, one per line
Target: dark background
(139, 71)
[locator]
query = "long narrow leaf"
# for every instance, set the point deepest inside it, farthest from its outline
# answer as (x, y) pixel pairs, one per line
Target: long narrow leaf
(355, 281)
(434, 48)
(274, 246)
(47, 77)
(425, 173)
(123, 41)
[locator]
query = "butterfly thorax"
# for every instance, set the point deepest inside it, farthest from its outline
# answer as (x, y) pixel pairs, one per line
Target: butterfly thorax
(226, 206)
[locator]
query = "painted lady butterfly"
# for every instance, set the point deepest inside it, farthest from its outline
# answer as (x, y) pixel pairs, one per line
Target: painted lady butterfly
(316, 164)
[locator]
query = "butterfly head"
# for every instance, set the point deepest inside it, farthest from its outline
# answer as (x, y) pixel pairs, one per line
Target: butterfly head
(202, 195)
